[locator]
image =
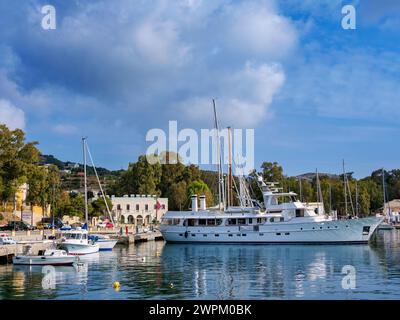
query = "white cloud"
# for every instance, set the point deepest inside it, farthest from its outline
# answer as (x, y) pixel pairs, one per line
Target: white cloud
(64, 128)
(243, 98)
(11, 116)
(256, 28)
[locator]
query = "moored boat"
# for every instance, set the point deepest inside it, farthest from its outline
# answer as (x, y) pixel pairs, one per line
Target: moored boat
(76, 242)
(52, 257)
(279, 221)
(104, 242)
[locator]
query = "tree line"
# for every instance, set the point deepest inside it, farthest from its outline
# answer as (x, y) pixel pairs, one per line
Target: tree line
(21, 162)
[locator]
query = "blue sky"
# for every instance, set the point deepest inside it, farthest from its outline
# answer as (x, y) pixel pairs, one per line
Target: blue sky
(314, 92)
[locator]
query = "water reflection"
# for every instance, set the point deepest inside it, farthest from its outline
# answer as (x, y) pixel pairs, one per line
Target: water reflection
(155, 270)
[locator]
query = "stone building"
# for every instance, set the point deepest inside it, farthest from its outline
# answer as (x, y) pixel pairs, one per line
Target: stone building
(138, 210)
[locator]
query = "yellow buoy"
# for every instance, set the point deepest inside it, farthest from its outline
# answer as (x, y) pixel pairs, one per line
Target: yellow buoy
(116, 285)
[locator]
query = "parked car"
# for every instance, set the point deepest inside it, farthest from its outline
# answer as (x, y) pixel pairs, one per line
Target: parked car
(102, 224)
(17, 226)
(6, 239)
(109, 225)
(47, 223)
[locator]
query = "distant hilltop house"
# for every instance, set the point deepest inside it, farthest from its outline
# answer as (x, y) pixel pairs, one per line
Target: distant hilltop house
(139, 209)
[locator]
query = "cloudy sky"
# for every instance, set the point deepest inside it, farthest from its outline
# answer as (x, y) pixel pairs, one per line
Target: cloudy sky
(111, 70)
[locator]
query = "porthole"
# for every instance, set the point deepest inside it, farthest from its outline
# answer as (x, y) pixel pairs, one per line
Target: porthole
(244, 235)
(230, 235)
(181, 234)
(287, 233)
(204, 235)
(261, 234)
(278, 234)
(217, 235)
(193, 235)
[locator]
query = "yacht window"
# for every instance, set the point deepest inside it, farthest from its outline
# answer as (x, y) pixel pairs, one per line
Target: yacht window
(250, 220)
(260, 220)
(271, 220)
(299, 213)
(202, 222)
(244, 235)
(211, 222)
(218, 221)
(191, 222)
(261, 234)
(278, 234)
(231, 222)
(366, 230)
(287, 233)
(281, 219)
(84, 236)
(241, 221)
(176, 221)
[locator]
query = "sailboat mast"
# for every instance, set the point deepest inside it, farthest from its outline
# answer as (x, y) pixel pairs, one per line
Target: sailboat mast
(356, 199)
(345, 189)
(85, 178)
(230, 198)
(220, 190)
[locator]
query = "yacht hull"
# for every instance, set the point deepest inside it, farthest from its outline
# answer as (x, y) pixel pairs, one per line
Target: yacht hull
(44, 260)
(106, 245)
(326, 232)
(80, 249)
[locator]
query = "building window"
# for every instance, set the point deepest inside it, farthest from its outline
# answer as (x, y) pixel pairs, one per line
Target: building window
(128, 207)
(163, 206)
(146, 207)
(137, 207)
(118, 207)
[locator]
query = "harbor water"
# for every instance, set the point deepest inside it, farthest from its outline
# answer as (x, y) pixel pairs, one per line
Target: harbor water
(155, 270)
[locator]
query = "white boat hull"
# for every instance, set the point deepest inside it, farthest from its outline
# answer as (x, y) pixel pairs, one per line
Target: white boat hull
(333, 231)
(80, 249)
(44, 260)
(106, 245)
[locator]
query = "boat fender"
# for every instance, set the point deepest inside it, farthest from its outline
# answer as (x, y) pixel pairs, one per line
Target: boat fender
(186, 234)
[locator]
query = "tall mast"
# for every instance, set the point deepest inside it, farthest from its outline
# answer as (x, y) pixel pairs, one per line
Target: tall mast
(301, 190)
(330, 198)
(345, 190)
(383, 189)
(220, 177)
(85, 178)
(230, 198)
(356, 199)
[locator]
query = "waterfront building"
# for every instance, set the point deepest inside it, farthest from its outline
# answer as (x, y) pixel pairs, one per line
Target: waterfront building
(139, 210)
(19, 209)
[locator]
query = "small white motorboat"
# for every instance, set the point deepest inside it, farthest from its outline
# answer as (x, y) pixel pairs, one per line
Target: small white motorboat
(76, 242)
(104, 242)
(53, 257)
